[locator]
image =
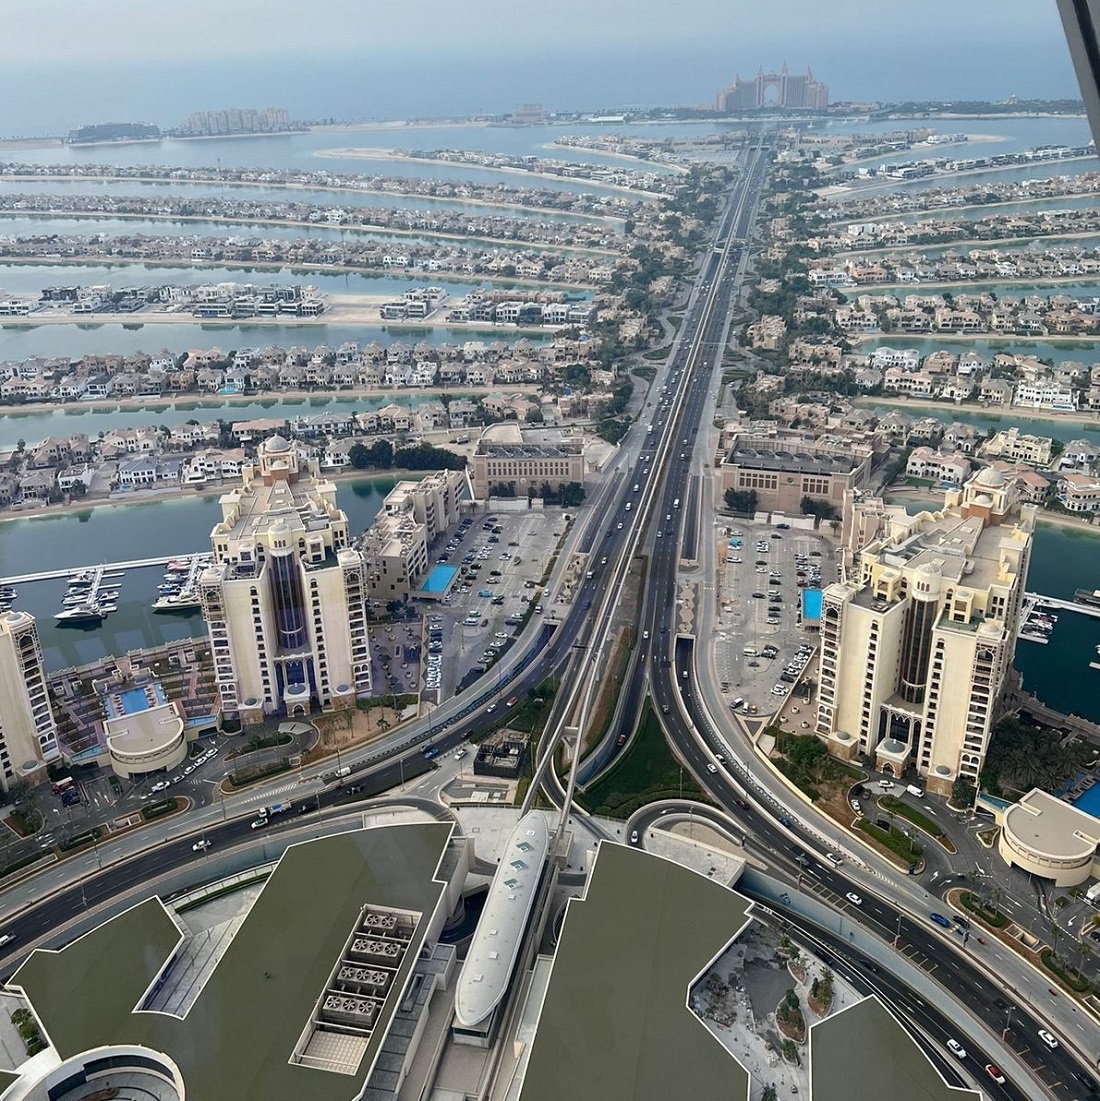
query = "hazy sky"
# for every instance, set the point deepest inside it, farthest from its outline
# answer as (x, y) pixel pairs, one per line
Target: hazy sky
(102, 31)
(64, 63)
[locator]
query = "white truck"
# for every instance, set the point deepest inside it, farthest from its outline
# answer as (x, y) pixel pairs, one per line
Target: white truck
(915, 790)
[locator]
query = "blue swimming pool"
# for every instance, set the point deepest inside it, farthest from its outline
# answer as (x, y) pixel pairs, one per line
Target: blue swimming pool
(133, 700)
(438, 580)
(811, 604)
(1089, 801)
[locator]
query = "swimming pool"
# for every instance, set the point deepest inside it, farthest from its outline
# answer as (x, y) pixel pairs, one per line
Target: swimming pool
(437, 581)
(811, 605)
(1089, 801)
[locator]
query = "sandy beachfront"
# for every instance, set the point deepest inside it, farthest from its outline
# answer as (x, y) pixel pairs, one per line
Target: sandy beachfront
(211, 403)
(916, 405)
(200, 181)
(393, 155)
(363, 230)
(838, 191)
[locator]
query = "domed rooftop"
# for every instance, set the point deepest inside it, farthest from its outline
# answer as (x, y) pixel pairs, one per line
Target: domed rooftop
(990, 478)
(277, 445)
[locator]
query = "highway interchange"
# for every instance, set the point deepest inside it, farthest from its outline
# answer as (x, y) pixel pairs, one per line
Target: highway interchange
(665, 670)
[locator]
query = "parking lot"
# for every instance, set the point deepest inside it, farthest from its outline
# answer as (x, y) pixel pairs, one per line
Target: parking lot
(502, 558)
(761, 650)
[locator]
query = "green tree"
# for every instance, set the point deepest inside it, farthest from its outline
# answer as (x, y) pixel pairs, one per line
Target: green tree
(741, 500)
(963, 792)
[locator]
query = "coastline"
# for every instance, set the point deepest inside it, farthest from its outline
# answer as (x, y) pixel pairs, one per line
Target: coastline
(970, 338)
(595, 151)
(978, 245)
(209, 402)
(390, 155)
(175, 493)
(834, 191)
(207, 181)
(945, 209)
(349, 313)
(1081, 418)
(111, 261)
(362, 229)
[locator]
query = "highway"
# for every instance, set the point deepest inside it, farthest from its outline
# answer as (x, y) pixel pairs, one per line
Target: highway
(664, 668)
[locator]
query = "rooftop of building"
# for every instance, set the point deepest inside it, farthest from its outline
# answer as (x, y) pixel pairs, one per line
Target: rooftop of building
(793, 459)
(245, 1026)
(1048, 826)
(863, 1054)
(615, 1025)
(527, 450)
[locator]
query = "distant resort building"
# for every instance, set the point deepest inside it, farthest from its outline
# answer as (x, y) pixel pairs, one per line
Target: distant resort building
(797, 91)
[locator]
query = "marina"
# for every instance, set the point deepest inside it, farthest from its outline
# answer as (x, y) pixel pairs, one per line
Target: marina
(179, 593)
(92, 595)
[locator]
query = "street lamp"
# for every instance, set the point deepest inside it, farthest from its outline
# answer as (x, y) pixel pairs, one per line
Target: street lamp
(1008, 1022)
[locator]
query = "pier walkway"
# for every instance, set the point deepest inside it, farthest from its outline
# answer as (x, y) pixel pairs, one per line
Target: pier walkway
(1064, 605)
(108, 567)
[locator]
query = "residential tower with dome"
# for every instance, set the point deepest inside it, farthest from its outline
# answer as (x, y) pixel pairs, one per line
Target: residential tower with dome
(917, 639)
(284, 601)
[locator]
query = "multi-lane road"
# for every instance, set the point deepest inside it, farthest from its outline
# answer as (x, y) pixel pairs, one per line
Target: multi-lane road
(662, 463)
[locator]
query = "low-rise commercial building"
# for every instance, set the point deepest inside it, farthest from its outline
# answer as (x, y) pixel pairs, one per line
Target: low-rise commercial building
(1049, 838)
(785, 467)
(522, 469)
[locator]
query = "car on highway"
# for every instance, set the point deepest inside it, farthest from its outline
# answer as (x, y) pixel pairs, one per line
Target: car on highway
(940, 920)
(1048, 1039)
(200, 846)
(834, 858)
(620, 740)
(634, 837)
(785, 821)
(854, 899)
(160, 785)
(711, 766)
(259, 823)
(956, 1049)
(7, 938)
(490, 709)
(995, 1074)
(512, 701)
(742, 804)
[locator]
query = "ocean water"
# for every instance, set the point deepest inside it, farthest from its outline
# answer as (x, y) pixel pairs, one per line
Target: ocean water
(614, 64)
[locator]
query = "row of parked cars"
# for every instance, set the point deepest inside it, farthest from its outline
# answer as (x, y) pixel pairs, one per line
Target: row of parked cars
(164, 785)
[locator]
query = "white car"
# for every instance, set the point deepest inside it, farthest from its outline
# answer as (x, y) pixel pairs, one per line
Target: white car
(161, 785)
(1048, 1039)
(200, 846)
(711, 766)
(854, 899)
(956, 1049)
(460, 754)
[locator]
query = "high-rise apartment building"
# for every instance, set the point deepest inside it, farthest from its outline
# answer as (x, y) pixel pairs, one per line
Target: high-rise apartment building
(284, 601)
(917, 644)
(28, 731)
